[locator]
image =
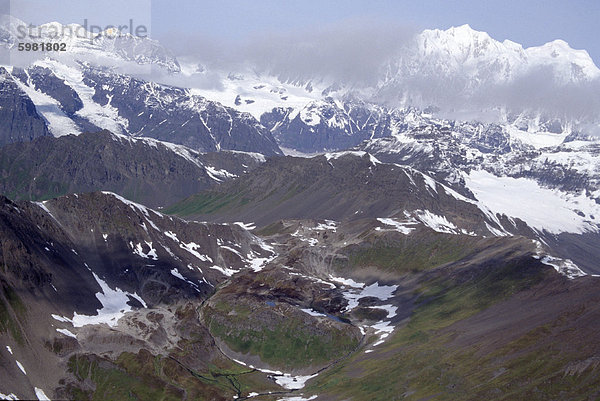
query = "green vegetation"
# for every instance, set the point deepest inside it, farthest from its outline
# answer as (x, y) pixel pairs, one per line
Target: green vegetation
(114, 383)
(22, 183)
(412, 255)
(12, 310)
(281, 342)
(206, 203)
(421, 361)
(144, 376)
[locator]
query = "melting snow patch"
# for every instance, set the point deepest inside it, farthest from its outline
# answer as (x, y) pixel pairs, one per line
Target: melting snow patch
(133, 205)
(10, 396)
(114, 306)
(346, 281)
(137, 207)
(315, 279)
(541, 208)
(21, 367)
(383, 329)
(232, 250)
(246, 226)
(191, 247)
(311, 241)
(430, 182)
(383, 292)
(400, 226)
(257, 264)
(328, 225)
(313, 312)
(62, 318)
(435, 222)
(41, 396)
(285, 380)
(66, 333)
(138, 250)
(9, 349)
(41, 205)
(226, 271)
(337, 155)
(290, 382)
(312, 397)
(565, 267)
(176, 273)
(495, 231)
(218, 175)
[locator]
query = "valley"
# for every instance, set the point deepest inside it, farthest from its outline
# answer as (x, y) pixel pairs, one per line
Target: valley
(287, 238)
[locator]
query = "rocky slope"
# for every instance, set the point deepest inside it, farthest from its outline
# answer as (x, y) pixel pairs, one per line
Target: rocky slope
(144, 170)
(20, 119)
(80, 261)
(64, 99)
(436, 259)
(104, 298)
(346, 186)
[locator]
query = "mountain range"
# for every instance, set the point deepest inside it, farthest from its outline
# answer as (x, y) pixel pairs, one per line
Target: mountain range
(430, 233)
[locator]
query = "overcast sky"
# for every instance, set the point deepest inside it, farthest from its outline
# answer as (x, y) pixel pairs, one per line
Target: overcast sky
(529, 22)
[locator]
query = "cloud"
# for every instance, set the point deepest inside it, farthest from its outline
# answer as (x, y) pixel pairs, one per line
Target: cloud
(352, 51)
(362, 53)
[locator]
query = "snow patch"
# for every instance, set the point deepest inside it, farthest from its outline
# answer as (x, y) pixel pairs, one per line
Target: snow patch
(313, 312)
(21, 367)
(246, 226)
(138, 250)
(541, 208)
(41, 396)
(346, 281)
(435, 222)
(114, 306)
(66, 333)
(290, 382)
(312, 397)
(400, 226)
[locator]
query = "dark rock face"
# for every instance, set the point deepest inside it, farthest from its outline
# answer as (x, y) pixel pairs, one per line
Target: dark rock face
(148, 110)
(347, 186)
(48, 83)
(19, 120)
(174, 115)
(93, 256)
(144, 171)
(57, 247)
(328, 125)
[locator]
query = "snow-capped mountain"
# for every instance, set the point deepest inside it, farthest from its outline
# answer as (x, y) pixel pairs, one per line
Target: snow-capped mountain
(89, 87)
(431, 222)
(456, 74)
(481, 59)
(449, 70)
